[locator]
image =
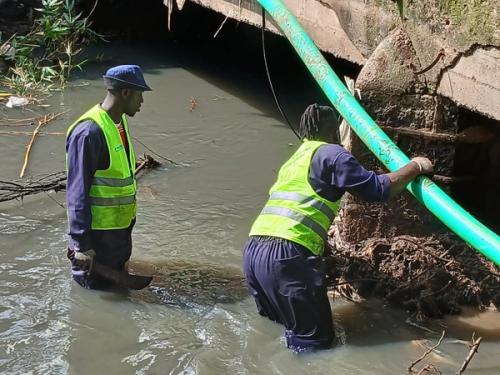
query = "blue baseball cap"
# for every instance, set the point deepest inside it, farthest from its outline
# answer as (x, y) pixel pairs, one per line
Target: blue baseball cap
(125, 77)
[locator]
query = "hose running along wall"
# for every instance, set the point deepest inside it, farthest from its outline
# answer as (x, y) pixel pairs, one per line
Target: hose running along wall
(427, 192)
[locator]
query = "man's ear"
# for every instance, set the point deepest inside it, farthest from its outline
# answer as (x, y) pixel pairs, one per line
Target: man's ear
(125, 93)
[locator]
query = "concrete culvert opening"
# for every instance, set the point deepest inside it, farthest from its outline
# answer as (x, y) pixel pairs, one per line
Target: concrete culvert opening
(416, 264)
(477, 167)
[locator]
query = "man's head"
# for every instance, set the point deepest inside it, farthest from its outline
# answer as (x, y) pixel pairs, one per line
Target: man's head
(320, 123)
(125, 83)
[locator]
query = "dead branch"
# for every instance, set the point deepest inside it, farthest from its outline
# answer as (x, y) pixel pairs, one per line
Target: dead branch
(220, 27)
(13, 132)
(18, 121)
(425, 345)
(428, 368)
(424, 249)
(431, 65)
(17, 189)
(146, 161)
(350, 282)
(193, 103)
(44, 121)
(473, 350)
(160, 156)
(16, 124)
(410, 322)
(410, 369)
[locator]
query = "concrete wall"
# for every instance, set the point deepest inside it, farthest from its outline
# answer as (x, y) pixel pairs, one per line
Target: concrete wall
(457, 42)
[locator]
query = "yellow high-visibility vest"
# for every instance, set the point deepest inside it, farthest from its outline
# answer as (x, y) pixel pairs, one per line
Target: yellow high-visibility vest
(294, 210)
(113, 190)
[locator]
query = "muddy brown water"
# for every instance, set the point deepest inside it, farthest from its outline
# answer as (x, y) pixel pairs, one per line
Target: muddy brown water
(192, 223)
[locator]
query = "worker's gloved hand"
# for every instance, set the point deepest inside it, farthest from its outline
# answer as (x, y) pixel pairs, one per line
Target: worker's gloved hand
(81, 259)
(425, 165)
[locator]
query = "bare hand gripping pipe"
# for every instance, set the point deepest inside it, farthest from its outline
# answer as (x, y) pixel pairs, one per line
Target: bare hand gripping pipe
(428, 193)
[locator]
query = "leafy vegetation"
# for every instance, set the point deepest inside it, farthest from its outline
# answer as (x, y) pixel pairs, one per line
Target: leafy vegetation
(45, 57)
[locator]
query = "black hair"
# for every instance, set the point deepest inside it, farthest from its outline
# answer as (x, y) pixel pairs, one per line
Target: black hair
(318, 122)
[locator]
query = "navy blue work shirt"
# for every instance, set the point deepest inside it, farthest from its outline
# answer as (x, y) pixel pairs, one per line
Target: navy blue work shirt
(334, 170)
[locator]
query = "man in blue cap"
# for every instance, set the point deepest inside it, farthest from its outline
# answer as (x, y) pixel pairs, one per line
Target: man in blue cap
(101, 186)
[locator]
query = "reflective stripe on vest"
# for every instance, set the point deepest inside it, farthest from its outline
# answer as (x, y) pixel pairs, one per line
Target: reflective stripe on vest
(297, 197)
(114, 182)
(99, 201)
(298, 217)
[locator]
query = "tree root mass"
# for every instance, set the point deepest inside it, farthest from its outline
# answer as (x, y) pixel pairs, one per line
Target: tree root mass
(429, 276)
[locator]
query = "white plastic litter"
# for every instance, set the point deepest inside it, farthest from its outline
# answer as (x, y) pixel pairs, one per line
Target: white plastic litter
(16, 101)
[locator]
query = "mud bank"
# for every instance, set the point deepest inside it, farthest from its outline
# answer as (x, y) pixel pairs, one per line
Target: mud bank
(429, 277)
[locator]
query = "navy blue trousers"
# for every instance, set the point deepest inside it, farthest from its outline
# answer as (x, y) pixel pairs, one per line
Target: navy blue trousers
(289, 287)
(113, 248)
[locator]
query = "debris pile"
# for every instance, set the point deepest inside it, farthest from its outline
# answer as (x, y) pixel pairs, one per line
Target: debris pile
(430, 276)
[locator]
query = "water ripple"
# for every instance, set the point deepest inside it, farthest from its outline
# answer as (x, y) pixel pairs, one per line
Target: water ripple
(10, 224)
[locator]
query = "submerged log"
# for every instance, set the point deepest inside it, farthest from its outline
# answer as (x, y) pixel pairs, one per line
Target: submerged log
(189, 284)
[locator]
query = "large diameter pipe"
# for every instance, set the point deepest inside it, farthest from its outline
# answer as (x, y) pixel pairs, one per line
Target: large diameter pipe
(427, 192)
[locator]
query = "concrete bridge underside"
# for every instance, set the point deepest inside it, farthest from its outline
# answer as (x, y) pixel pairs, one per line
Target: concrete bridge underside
(464, 62)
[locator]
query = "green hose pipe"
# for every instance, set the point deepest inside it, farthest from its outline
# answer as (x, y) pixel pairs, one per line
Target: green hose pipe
(428, 193)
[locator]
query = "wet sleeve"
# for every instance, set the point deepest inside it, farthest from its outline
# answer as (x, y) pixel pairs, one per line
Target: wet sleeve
(351, 176)
(85, 148)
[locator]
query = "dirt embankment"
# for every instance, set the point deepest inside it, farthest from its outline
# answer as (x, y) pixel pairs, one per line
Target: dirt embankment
(430, 277)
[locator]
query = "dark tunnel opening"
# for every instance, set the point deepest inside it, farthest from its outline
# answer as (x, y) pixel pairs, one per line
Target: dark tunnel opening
(236, 48)
(230, 49)
(477, 163)
(234, 51)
